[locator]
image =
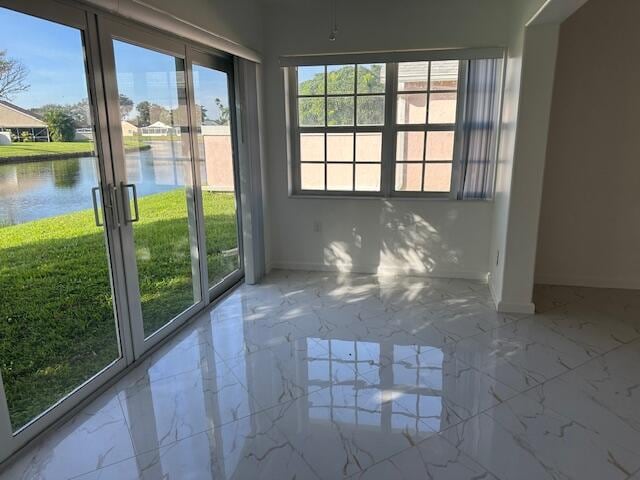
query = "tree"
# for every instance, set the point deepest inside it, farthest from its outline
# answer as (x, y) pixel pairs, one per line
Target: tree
(201, 112)
(13, 76)
(340, 110)
(158, 113)
(79, 112)
(61, 125)
(144, 118)
(126, 105)
(223, 114)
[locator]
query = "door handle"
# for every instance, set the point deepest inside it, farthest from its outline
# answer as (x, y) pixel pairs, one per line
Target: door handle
(96, 214)
(125, 200)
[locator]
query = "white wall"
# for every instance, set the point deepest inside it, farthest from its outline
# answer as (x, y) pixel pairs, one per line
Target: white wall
(590, 219)
(532, 55)
(419, 236)
(237, 21)
(515, 46)
(529, 161)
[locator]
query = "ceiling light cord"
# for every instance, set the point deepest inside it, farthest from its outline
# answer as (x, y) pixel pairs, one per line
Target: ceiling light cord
(334, 22)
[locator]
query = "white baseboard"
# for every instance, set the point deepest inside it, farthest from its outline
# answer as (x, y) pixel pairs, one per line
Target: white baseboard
(380, 270)
(492, 291)
(505, 307)
(577, 281)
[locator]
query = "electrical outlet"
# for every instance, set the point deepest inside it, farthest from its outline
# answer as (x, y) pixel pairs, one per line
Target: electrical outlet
(498, 258)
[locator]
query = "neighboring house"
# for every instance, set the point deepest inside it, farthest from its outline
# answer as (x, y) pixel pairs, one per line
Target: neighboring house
(84, 134)
(129, 129)
(158, 129)
(18, 120)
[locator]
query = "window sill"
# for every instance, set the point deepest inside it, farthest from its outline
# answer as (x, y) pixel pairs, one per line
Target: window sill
(402, 198)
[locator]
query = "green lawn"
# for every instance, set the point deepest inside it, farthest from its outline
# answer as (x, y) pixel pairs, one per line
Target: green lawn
(33, 149)
(30, 149)
(56, 319)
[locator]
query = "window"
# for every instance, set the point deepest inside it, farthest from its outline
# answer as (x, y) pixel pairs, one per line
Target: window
(340, 111)
(425, 130)
(419, 128)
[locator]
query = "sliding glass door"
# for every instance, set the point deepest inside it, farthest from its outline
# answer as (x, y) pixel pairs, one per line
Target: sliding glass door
(154, 163)
(60, 326)
(212, 89)
(119, 211)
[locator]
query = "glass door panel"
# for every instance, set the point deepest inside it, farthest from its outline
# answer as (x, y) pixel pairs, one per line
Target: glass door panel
(158, 185)
(57, 318)
(217, 171)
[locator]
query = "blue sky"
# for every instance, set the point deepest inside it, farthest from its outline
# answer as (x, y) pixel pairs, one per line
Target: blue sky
(53, 54)
(54, 57)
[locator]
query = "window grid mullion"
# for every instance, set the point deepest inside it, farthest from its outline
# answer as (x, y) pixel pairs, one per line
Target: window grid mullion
(426, 133)
(423, 127)
(355, 123)
(326, 123)
(418, 162)
(343, 129)
(296, 182)
(347, 162)
(366, 94)
(387, 172)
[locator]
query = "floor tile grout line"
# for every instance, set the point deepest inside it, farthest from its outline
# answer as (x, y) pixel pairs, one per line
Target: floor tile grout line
(124, 418)
(417, 444)
(223, 424)
(181, 439)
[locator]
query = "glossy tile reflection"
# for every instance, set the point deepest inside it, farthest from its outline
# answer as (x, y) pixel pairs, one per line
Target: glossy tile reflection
(325, 376)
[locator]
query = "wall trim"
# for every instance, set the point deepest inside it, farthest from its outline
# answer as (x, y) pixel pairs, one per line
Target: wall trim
(492, 290)
(594, 282)
(505, 307)
(379, 270)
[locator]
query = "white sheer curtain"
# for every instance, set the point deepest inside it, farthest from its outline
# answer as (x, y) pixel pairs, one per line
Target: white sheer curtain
(480, 129)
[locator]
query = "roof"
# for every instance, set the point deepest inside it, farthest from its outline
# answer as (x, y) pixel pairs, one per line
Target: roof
(216, 130)
(441, 70)
(159, 124)
(12, 116)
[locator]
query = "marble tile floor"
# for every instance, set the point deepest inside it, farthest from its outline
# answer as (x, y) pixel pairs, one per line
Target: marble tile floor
(328, 376)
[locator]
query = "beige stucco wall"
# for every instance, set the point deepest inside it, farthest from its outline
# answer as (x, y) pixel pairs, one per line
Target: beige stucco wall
(590, 219)
(218, 171)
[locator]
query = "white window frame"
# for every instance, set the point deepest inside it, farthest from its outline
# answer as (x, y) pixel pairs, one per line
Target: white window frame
(390, 127)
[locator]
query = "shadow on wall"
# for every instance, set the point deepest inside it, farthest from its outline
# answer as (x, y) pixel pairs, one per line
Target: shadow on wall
(402, 242)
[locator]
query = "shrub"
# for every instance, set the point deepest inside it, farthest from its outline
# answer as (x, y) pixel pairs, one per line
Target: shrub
(26, 137)
(61, 125)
